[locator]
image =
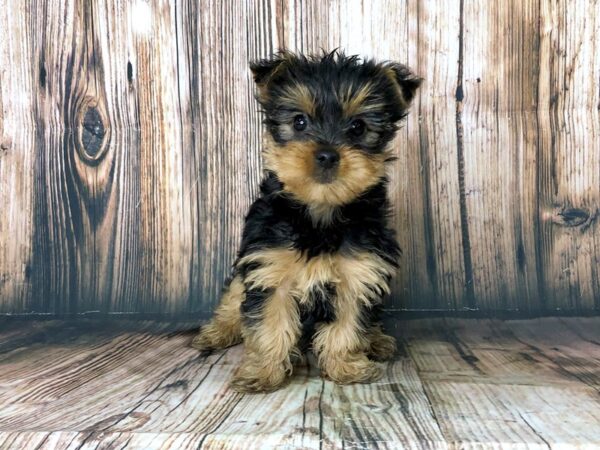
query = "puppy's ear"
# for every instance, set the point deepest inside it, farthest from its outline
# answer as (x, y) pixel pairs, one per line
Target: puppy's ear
(407, 81)
(265, 70)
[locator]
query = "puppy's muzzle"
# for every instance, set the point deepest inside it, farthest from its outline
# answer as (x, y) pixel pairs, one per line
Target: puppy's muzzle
(327, 162)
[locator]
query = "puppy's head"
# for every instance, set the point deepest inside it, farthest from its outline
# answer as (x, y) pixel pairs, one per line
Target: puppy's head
(329, 119)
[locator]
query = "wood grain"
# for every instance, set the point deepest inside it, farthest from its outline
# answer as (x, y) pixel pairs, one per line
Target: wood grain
(429, 212)
(500, 87)
(455, 384)
(569, 180)
(17, 143)
(486, 380)
(130, 148)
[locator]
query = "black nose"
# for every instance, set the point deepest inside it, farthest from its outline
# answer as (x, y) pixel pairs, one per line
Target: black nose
(327, 158)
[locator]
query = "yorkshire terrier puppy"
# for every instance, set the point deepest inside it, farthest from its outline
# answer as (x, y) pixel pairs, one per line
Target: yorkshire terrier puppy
(316, 257)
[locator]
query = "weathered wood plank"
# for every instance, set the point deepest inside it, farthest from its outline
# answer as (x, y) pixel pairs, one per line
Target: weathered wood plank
(392, 413)
(153, 197)
(569, 157)
(68, 440)
(499, 96)
(490, 388)
(17, 100)
(288, 418)
(227, 146)
(562, 347)
(428, 210)
(140, 358)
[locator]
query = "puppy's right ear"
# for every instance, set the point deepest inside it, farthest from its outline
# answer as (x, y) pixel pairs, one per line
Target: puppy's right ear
(263, 68)
(265, 71)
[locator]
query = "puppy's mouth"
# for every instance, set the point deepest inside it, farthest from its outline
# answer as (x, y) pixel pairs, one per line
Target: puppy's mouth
(327, 163)
(325, 176)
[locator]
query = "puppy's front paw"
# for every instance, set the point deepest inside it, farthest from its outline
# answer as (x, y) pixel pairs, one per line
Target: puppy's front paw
(201, 342)
(211, 337)
(355, 369)
(256, 378)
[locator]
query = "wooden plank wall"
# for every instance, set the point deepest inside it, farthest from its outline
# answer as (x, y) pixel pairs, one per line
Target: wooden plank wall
(129, 148)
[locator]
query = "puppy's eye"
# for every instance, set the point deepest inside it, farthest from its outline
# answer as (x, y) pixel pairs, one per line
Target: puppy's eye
(300, 122)
(357, 128)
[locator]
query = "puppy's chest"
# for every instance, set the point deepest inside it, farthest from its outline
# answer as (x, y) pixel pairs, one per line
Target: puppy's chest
(316, 280)
(317, 240)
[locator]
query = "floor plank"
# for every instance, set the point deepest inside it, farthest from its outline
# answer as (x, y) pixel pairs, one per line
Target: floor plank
(455, 384)
(493, 387)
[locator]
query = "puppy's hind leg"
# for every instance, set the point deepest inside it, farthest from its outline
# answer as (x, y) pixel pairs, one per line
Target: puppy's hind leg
(225, 328)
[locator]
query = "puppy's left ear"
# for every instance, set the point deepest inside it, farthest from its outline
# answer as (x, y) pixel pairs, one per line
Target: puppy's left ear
(406, 80)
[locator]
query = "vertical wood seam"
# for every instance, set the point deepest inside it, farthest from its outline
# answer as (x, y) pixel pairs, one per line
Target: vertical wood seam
(320, 407)
(538, 235)
(464, 224)
(430, 256)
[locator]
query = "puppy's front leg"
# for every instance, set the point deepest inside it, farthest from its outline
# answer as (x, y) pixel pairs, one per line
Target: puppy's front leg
(225, 328)
(271, 326)
(343, 346)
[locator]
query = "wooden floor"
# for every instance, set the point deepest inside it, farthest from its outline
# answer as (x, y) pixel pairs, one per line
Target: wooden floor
(456, 383)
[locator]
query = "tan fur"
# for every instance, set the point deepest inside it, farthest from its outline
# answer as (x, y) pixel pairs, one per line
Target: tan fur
(352, 101)
(270, 344)
(354, 271)
(275, 267)
(299, 95)
(361, 270)
(225, 328)
(381, 346)
(294, 165)
(357, 102)
(342, 346)
(342, 350)
(287, 265)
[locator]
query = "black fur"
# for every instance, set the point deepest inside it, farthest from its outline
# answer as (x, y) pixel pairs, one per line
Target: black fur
(322, 308)
(319, 309)
(253, 303)
(277, 220)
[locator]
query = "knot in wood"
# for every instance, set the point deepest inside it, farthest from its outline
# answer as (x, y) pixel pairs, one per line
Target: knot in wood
(572, 217)
(92, 133)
